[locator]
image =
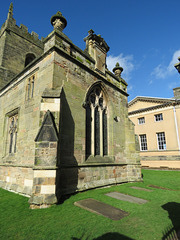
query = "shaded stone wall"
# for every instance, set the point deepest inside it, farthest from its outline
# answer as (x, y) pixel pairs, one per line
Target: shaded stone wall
(85, 177)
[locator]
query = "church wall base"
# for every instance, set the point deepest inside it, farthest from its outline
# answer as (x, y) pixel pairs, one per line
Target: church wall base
(73, 179)
(17, 179)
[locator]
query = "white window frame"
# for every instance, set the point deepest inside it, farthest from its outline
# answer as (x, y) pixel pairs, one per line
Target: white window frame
(141, 120)
(158, 117)
(142, 142)
(161, 141)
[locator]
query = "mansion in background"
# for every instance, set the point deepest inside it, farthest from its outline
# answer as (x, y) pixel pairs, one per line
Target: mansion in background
(157, 126)
(64, 123)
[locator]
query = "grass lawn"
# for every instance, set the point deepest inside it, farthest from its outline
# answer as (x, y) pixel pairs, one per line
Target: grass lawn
(66, 221)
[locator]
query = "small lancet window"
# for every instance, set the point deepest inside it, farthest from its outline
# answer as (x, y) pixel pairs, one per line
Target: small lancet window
(29, 58)
(30, 88)
(96, 123)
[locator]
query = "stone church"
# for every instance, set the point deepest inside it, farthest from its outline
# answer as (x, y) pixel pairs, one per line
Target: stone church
(63, 115)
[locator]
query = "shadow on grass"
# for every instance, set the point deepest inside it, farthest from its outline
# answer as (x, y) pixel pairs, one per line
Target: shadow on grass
(173, 231)
(107, 236)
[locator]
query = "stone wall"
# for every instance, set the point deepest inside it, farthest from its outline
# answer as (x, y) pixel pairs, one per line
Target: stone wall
(81, 178)
(17, 178)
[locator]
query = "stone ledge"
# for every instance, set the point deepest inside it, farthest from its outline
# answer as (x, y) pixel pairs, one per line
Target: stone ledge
(100, 159)
(15, 165)
(44, 167)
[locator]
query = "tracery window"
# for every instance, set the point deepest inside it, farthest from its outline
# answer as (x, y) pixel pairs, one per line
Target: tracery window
(13, 129)
(30, 88)
(96, 123)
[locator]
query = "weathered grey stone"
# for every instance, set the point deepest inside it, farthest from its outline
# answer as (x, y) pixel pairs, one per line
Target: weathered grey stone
(101, 208)
(27, 190)
(125, 197)
(39, 199)
(50, 199)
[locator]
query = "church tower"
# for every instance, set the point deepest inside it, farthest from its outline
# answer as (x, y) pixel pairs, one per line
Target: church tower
(17, 48)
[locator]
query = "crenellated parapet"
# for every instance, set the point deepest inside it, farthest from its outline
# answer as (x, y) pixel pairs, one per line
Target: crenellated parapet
(18, 48)
(22, 30)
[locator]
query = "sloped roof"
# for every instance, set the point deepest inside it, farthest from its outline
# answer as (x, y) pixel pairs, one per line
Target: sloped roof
(150, 99)
(162, 102)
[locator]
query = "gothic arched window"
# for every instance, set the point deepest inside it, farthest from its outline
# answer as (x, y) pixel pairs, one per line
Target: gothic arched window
(96, 123)
(13, 122)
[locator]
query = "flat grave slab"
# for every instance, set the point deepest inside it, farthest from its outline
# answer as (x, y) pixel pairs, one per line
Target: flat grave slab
(162, 188)
(143, 189)
(125, 197)
(101, 208)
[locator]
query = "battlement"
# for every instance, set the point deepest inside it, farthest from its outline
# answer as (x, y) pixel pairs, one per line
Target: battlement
(22, 30)
(18, 48)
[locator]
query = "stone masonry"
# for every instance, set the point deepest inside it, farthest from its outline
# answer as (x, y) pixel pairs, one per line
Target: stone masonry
(63, 115)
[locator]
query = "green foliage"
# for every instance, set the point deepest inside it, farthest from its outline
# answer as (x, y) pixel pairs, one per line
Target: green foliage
(66, 221)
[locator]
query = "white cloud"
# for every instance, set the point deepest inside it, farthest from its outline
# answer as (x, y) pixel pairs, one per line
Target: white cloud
(129, 88)
(150, 82)
(162, 71)
(174, 60)
(125, 61)
(173, 85)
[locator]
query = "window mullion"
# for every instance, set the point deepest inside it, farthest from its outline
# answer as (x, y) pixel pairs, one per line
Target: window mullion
(101, 131)
(92, 130)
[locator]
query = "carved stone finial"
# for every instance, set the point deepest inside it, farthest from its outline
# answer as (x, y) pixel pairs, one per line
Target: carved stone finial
(10, 13)
(11, 8)
(58, 21)
(177, 65)
(117, 70)
(90, 32)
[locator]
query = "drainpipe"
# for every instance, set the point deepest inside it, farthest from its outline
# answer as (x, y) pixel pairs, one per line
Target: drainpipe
(177, 132)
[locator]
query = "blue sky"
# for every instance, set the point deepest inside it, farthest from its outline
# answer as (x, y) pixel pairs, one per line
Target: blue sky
(143, 35)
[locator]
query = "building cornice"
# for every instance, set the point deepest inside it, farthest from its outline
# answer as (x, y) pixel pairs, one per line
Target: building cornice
(150, 99)
(164, 105)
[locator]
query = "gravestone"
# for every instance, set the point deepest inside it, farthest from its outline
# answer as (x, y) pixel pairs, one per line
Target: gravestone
(142, 189)
(101, 208)
(125, 197)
